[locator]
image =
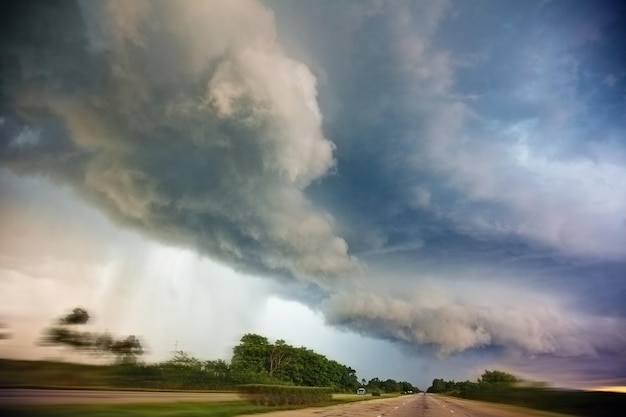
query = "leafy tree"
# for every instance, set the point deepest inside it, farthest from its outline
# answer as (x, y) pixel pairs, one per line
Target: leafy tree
(438, 386)
(127, 350)
(256, 360)
(490, 382)
(390, 385)
(78, 316)
(103, 343)
(64, 333)
(182, 359)
(278, 356)
(217, 368)
(249, 360)
(373, 385)
(497, 377)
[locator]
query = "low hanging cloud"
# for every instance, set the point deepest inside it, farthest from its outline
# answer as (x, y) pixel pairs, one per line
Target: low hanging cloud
(453, 320)
(185, 120)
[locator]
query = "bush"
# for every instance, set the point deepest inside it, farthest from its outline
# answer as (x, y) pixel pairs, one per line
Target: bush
(376, 394)
(273, 395)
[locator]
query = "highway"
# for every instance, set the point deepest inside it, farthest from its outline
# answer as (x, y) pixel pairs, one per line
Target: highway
(417, 405)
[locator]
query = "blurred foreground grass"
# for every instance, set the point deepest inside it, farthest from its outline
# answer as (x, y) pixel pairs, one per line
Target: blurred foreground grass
(15, 373)
(174, 409)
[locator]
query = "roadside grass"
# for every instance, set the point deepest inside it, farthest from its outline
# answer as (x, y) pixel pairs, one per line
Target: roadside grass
(18, 373)
(569, 402)
(513, 408)
(173, 409)
(67, 375)
(111, 388)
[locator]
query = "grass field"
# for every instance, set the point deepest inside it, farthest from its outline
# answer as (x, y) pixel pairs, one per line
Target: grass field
(174, 409)
(14, 373)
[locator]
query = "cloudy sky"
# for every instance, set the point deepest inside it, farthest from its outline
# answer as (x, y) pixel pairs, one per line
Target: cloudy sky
(416, 189)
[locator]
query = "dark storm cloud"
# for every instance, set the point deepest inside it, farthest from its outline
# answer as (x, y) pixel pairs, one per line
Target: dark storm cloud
(454, 142)
(203, 135)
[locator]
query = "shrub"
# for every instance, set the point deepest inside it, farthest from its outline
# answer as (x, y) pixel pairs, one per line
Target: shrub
(273, 395)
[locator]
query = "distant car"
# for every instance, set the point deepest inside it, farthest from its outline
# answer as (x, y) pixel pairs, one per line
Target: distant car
(360, 391)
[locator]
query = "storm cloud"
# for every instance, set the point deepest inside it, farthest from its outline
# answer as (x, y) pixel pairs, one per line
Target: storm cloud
(449, 177)
(185, 120)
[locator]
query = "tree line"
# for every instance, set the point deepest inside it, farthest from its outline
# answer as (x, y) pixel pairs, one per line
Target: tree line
(255, 360)
(491, 382)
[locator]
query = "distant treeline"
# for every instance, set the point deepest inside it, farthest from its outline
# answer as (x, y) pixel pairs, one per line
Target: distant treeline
(501, 387)
(255, 361)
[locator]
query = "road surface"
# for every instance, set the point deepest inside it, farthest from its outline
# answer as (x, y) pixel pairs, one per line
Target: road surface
(52, 396)
(417, 405)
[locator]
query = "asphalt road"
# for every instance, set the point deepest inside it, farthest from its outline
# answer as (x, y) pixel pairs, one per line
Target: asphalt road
(51, 396)
(417, 405)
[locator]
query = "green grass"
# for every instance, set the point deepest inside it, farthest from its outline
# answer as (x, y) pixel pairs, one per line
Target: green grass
(17, 373)
(175, 409)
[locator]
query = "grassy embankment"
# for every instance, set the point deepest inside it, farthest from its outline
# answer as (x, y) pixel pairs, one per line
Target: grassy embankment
(571, 402)
(175, 409)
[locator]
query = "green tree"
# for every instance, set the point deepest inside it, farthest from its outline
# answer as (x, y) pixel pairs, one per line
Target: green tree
(278, 357)
(250, 357)
(64, 332)
(127, 350)
(497, 377)
(373, 385)
(390, 385)
(78, 316)
(103, 343)
(438, 386)
(217, 368)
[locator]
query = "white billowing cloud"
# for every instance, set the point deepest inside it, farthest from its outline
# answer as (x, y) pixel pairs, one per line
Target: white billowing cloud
(521, 171)
(458, 318)
(199, 130)
(574, 205)
(252, 66)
